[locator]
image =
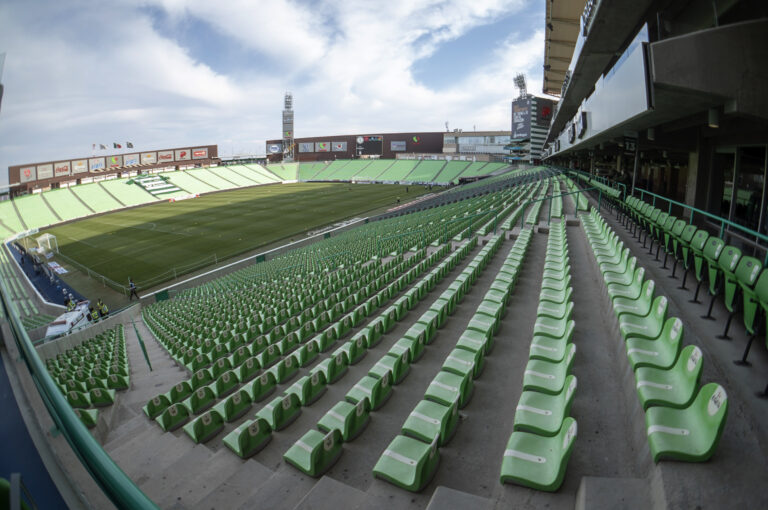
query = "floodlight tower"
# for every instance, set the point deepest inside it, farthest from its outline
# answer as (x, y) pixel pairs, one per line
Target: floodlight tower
(288, 143)
(521, 86)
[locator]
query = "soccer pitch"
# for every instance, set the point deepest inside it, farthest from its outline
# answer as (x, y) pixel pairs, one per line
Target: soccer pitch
(147, 243)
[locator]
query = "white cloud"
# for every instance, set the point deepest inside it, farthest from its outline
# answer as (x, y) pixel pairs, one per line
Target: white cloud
(349, 64)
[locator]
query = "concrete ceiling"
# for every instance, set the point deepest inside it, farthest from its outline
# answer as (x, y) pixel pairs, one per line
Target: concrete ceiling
(561, 32)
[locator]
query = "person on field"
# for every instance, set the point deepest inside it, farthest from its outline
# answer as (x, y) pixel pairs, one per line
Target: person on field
(102, 307)
(132, 287)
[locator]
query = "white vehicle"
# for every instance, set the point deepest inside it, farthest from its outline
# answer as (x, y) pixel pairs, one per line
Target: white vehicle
(66, 322)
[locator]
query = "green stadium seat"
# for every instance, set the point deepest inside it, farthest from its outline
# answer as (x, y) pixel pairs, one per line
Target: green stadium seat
(640, 306)
(225, 384)
(181, 391)
(89, 417)
(281, 411)
(201, 399)
(309, 388)
(553, 328)
(396, 366)
(315, 452)
(538, 462)
(100, 397)
(376, 389)
(408, 463)
(649, 326)
(173, 417)
(543, 414)
(745, 275)
(205, 427)
(349, 419)
(249, 438)
(78, 399)
(659, 352)
(690, 434)
(262, 386)
(464, 362)
(552, 349)
(333, 367)
(446, 387)
(546, 376)
(430, 420)
(234, 406)
(156, 406)
(673, 387)
(248, 369)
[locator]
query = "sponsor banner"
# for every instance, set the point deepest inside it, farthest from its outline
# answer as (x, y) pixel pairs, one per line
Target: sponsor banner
(130, 159)
(148, 158)
(27, 174)
(61, 169)
(96, 164)
(306, 147)
(397, 146)
(79, 166)
(201, 153)
(44, 171)
(322, 146)
(114, 161)
(164, 156)
(274, 148)
(521, 118)
(544, 110)
(339, 147)
(183, 155)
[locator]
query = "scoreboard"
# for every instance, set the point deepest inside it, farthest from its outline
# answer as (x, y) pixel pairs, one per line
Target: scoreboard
(370, 145)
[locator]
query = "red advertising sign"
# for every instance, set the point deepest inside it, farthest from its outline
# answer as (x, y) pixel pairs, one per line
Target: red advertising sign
(60, 169)
(199, 153)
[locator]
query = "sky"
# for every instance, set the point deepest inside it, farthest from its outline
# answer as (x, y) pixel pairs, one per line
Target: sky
(172, 73)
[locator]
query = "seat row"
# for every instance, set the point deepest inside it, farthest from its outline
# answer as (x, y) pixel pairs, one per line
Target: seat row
(683, 420)
(89, 373)
(540, 445)
(317, 450)
(741, 280)
(411, 458)
(258, 374)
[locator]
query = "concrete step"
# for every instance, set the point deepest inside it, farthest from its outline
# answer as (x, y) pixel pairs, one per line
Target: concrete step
(599, 493)
(235, 489)
(282, 491)
(330, 494)
(445, 498)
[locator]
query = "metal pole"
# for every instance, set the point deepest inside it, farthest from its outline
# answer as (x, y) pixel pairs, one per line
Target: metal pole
(637, 163)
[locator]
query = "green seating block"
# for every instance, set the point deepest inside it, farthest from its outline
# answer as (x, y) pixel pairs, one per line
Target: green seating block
(181, 391)
(248, 369)
(201, 399)
(349, 419)
(551, 349)
(309, 388)
(648, 327)
(281, 411)
(234, 406)
(262, 386)
(156, 406)
(249, 438)
(555, 310)
(446, 387)
(484, 324)
(225, 384)
(173, 417)
(315, 452)
(376, 389)
(355, 349)
(543, 414)
(659, 353)
(205, 427)
(89, 417)
(285, 369)
(100, 397)
(307, 353)
(538, 462)
(474, 341)
(690, 434)
(408, 463)
(396, 366)
(413, 348)
(334, 367)
(548, 377)
(673, 387)
(92, 382)
(464, 362)
(430, 420)
(552, 328)
(640, 306)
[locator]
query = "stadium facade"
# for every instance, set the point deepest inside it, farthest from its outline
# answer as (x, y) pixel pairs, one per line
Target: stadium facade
(531, 116)
(363, 145)
(33, 177)
(669, 98)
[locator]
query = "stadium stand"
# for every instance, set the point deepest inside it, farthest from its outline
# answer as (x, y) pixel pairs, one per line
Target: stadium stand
(372, 171)
(66, 205)
(265, 176)
(35, 211)
(307, 171)
(451, 171)
(426, 171)
(329, 172)
(350, 170)
(188, 183)
(96, 197)
(25, 305)
(231, 174)
(211, 178)
(156, 186)
(285, 171)
(90, 373)
(398, 170)
(127, 193)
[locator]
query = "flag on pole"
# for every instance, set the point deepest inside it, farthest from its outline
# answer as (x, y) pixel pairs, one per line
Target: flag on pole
(129, 145)
(117, 146)
(102, 147)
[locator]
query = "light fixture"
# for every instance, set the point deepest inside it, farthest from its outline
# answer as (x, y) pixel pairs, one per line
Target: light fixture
(550, 26)
(651, 134)
(713, 118)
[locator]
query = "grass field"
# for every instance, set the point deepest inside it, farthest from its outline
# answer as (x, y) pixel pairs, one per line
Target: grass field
(148, 242)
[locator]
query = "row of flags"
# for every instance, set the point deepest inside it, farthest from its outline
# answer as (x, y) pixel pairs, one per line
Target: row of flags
(102, 147)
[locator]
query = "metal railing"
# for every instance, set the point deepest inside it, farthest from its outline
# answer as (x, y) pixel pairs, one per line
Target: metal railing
(550, 197)
(117, 486)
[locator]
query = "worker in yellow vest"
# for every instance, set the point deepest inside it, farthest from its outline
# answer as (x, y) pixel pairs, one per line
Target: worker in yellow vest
(94, 314)
(102, 307)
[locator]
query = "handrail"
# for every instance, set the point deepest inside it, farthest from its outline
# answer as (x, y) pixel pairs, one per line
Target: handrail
(604, 180)
(549, 197)
(117, 486)
(694, 210)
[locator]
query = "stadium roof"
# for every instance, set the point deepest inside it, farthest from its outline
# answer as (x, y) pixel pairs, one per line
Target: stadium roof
(562, 30)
